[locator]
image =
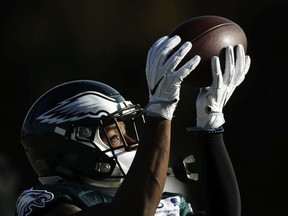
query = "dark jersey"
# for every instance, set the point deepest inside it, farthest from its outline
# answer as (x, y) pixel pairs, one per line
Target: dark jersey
(40, 199)
(220, 191)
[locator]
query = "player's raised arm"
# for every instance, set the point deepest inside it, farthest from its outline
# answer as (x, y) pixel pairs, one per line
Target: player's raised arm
(221, 194)
(143, 186)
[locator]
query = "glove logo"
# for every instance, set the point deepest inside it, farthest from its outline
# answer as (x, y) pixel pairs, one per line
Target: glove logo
(156, 86)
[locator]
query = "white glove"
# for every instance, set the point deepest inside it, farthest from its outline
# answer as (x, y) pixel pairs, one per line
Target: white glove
(163, 80)
(212, 99)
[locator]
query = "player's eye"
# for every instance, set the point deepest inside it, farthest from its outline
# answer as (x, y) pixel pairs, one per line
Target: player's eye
(114, 138)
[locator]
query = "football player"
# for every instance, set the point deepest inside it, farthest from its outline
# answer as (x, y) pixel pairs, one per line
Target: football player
(96, 153)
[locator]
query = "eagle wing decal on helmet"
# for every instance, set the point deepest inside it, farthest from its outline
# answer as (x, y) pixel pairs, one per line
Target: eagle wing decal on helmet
(87, 104)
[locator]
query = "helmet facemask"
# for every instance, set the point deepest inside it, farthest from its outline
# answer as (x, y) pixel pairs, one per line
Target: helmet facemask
(116, 136)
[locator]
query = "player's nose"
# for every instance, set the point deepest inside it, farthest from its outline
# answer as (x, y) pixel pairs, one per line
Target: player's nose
(131, 143)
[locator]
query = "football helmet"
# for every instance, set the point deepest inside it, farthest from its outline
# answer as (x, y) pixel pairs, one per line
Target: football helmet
(65, 133)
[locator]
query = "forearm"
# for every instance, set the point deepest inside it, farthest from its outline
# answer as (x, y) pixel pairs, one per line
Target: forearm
(217, 176)
(145, 180)
(223, 197)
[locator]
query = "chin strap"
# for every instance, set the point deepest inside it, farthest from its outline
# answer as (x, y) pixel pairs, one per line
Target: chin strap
(50, 179)
(105, 183)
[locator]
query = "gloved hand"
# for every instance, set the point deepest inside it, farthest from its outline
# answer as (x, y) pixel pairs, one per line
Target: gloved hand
(163, 80)
(212, 99)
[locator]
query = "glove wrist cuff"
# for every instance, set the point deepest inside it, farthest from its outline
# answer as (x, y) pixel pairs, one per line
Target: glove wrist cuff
(208, 131)
(160, 109)
(211, 121)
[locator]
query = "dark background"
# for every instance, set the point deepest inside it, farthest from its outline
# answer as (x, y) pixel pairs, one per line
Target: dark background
(45, 43)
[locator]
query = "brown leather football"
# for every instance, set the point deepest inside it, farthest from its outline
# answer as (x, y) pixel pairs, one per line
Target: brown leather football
(209, 35)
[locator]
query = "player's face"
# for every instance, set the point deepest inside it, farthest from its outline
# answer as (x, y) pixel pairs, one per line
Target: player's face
(114, 136)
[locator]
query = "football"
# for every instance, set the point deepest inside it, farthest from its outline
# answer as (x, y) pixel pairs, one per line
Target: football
(209, 36)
